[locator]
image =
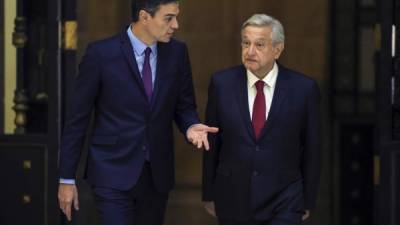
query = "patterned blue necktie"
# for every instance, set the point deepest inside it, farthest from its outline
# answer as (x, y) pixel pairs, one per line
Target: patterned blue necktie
(146, 74)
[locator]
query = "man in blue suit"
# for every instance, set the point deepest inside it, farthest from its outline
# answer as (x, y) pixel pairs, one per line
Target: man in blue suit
(263, 166)
(137, 83)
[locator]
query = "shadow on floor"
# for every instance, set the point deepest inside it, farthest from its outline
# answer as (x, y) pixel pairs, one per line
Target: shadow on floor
(185, 208)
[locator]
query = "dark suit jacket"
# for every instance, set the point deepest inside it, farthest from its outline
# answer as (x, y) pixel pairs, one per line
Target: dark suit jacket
(249, 178)
(126, 123)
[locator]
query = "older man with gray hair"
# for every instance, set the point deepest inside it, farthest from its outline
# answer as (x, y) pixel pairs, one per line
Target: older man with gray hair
(264, 164)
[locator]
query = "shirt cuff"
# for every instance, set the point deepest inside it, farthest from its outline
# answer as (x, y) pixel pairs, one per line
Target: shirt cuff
(67, 181)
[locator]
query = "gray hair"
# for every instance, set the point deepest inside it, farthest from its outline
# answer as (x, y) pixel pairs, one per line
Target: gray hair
(262, 20)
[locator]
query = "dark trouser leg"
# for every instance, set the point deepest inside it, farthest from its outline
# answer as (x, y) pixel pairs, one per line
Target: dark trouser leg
(290, 206)
(114, 207)
(286, 218)
(151, 204)
(142, 205)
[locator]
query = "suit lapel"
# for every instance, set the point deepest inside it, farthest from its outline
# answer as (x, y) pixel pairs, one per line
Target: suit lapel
(127, 50)
(278, 98)
(243, 100)
(162, 62)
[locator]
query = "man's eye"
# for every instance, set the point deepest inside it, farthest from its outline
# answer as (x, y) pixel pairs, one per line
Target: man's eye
(168, 19)
(260, 45)
(245, 44)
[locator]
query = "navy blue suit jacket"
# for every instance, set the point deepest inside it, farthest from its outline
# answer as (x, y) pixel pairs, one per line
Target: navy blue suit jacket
(249, 178)
(126, 124)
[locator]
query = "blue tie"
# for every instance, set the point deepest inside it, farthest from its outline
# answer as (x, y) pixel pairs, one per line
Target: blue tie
(146, 74)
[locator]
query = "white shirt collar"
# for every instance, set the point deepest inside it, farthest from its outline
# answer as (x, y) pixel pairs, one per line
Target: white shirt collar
(270, 79)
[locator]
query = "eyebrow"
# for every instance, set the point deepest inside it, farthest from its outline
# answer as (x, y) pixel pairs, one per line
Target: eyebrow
(257, 39)
(170, 15)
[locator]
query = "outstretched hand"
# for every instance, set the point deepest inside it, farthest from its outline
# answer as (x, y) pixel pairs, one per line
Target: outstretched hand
(197, 135)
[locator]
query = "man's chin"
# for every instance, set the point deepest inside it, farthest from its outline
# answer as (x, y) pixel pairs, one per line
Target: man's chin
(250, 66)
(165, 40)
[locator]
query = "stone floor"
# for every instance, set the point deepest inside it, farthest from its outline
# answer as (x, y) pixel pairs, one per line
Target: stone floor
(185, 208)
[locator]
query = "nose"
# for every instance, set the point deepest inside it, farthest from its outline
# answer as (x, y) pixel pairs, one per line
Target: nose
(251, 50)
(175, 24)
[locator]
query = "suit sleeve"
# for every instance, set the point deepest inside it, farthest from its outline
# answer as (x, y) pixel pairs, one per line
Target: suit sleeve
(311, 163)
(210, 158)
(185, 111)
(81, 104)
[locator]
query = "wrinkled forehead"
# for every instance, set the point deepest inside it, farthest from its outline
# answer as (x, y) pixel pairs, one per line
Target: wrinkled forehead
(256, 33)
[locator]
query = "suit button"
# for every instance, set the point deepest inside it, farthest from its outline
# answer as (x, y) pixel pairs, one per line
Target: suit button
(255, 173)
(144, 148)
(257, 148)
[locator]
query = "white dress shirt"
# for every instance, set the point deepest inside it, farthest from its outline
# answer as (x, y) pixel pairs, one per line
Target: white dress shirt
(269, 88)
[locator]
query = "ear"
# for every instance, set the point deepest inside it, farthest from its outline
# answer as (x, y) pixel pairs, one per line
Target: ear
(278, 49)
(143, 15)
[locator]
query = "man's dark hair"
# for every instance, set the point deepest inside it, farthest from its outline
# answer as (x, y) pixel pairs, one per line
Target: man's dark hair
(150, 6)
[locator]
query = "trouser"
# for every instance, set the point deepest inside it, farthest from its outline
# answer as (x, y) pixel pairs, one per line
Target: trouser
(141, 205)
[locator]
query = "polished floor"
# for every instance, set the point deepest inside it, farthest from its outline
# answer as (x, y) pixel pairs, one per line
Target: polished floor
(185, 207)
